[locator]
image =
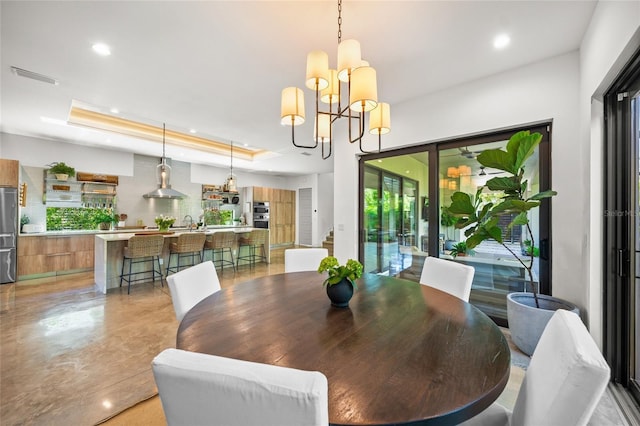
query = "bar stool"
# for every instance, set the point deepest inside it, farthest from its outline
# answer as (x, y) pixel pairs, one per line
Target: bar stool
(142, 249)
(255, 240)
(219, 243)
(188, 245)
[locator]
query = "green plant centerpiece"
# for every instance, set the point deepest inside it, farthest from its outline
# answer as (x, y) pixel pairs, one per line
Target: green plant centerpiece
(164, 222)
(461, 249)
(479, 216)
(340, 282)
(61, 170)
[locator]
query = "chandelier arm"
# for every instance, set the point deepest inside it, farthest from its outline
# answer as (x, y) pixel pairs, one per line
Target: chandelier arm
(361, 123)
(325, 157)
(373, 152)
(293, 138)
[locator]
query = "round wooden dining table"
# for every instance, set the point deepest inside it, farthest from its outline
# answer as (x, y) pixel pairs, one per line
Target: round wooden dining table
(401, 353)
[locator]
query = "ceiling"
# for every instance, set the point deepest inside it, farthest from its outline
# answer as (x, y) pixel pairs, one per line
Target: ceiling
(219, 66)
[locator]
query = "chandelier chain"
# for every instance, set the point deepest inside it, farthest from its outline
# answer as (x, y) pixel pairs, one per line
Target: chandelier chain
(339, 21)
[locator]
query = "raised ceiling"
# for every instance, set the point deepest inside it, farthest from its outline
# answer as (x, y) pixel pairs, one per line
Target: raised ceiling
(219, 66)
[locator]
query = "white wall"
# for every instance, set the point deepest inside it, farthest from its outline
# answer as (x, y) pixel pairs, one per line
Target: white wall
(612, 37)
(37, 152)
(137, 177)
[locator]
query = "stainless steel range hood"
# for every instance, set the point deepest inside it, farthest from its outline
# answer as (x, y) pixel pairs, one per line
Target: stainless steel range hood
(163, 175)
(165, 193)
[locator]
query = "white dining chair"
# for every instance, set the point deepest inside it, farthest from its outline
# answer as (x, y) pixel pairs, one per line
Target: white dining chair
(199, 389)
(191, 285)
(303, 259)
(564, 382)
(449, 276)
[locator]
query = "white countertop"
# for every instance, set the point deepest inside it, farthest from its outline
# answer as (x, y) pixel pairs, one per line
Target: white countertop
(121, 236)
(130, 231)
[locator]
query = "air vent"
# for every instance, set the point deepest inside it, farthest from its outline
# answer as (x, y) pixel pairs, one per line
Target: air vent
(34, 76)
(305, 153)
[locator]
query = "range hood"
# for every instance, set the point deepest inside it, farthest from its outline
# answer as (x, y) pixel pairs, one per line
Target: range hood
(166, 193)
(163, 177)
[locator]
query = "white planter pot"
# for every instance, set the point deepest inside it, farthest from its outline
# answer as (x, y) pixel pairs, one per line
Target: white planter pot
(61, 176)
(527, 322)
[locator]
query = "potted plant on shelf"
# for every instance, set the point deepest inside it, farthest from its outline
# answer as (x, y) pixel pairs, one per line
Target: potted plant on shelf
(461, 249)
(61, 170)
(527, 313)
(341, 280)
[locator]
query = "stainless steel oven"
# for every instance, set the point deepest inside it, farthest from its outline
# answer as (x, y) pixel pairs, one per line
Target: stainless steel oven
(261, 214)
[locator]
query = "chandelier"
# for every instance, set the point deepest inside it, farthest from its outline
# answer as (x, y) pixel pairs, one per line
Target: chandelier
(362, 95)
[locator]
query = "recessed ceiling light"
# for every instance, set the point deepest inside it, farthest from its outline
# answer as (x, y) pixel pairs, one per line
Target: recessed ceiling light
(245, 144)
(115, 110)
(407, 172)
(501, 41)
(101, 49)
(379, 161)
(192, 131)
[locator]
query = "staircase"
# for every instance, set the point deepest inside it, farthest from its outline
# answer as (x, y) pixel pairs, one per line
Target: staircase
(328, 243)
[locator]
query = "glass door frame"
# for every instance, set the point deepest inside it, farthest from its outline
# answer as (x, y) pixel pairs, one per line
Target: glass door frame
(433, 149)
(620, 185)
(400, 224)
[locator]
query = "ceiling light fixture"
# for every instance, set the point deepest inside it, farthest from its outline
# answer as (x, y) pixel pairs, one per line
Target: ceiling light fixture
(163, 177)
(230, 185)
(101, 49)
(501, 41)
(362, 93)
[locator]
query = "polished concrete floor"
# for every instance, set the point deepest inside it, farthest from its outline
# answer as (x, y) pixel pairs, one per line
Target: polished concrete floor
(72, 356)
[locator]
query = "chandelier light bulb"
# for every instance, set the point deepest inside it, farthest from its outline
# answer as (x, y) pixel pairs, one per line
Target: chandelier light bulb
(364, 90)
(324, 128)
(380, 119)
(331, 94)
(349, 58)
(292, 106)
(317, 70)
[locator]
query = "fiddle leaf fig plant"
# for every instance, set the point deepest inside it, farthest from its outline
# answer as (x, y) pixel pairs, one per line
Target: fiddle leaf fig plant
(480, 216)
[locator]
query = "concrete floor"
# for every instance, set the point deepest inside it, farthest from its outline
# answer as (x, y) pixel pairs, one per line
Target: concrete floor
(71, 355)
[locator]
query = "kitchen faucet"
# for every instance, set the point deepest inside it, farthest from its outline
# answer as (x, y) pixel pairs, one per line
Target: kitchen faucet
(190, 221)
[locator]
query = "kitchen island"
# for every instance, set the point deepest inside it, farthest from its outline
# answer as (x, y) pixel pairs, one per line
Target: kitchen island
(109, 249)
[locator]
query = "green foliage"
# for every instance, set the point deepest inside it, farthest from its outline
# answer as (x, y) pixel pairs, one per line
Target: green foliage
(212, 217)
(352, 270)
(68, 218)
(481, 214)
(460, 249)
(24, 219)
(59, 168)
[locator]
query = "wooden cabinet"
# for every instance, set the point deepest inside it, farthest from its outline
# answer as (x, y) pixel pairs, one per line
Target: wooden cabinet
(54, 255)
(9, 173)
(282, 213)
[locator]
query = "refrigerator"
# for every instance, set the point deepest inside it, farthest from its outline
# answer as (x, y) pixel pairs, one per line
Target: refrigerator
(8, 234)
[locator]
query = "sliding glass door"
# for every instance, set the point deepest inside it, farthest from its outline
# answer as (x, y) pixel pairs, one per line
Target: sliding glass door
(402, 221)
(621, 251)
(390, 218)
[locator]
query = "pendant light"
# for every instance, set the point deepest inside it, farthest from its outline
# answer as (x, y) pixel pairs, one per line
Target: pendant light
(230, 184)
(163, 177)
